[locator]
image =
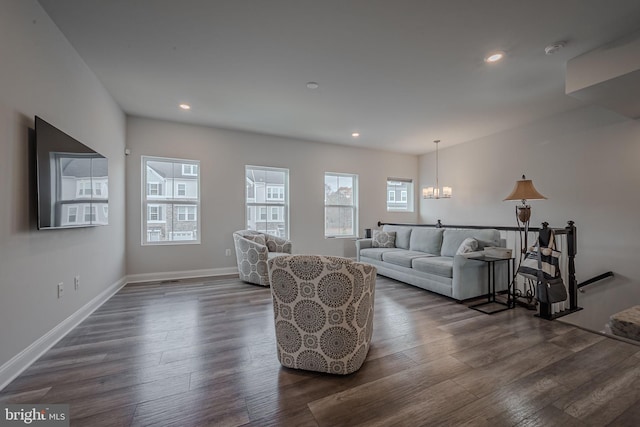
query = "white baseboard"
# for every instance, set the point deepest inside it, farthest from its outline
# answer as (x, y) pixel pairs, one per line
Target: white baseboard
(21, 361)
(176, 275)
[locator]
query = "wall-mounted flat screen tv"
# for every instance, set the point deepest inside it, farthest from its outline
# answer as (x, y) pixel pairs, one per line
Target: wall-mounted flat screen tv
(72, 179)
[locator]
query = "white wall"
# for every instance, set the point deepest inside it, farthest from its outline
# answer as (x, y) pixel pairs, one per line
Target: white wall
(223, 155)
(41, 74)
(586, 163)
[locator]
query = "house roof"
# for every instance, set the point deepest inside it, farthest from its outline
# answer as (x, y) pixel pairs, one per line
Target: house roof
(401, 73)
(169, 170)
(82, 167)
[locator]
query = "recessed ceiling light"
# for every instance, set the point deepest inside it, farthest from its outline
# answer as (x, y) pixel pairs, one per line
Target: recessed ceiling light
(494, 56)
(185, 106)
(554, 47)
(312, 85)
(355, 134)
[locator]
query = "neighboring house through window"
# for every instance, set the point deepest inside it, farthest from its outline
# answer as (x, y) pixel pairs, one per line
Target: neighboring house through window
(267, 192)
(171, 202)
(400, 194)
(340, 205)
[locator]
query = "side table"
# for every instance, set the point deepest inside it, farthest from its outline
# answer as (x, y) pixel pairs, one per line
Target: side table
(491, 280)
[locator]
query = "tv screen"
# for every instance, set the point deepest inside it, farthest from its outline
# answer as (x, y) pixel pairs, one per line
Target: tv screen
(72, 179)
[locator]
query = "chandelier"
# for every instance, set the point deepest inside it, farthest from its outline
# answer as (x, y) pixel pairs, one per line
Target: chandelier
(436, 192)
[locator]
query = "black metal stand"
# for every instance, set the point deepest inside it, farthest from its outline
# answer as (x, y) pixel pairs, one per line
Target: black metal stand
(491, 281)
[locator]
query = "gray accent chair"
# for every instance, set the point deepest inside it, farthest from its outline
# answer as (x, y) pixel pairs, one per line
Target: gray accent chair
(253, 250)
(323, 311)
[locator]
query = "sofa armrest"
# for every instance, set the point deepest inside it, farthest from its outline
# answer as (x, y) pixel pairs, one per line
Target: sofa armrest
(470, 277)
(362, 244)
(278, 244)
(255, 245)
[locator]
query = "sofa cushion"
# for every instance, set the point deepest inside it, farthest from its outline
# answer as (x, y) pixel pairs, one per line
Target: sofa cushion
(402, 258)
(402, 235)
(438, 265)
(452, 239)
(383, 239)
(376, 253)
(426, 240)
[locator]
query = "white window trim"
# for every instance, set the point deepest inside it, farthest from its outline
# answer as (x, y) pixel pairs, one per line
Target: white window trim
(406, 196)
(282, 203)
(354, 206)
(168, 201)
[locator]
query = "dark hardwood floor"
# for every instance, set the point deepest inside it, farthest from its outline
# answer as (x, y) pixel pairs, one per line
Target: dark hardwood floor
(203, 353)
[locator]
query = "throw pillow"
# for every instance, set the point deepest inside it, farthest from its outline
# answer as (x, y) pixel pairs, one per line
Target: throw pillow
(468, 245)
(258, 238)
(383, 239)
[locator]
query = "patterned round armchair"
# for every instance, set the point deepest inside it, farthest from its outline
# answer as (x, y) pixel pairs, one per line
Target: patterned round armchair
(323, 310)
(253, 250)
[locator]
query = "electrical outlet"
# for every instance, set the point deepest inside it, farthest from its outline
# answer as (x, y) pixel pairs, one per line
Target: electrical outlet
(60, 290)
(76, 282)
(227, 252)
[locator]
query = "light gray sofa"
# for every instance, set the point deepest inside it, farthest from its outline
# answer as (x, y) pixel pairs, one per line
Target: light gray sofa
(426, 258)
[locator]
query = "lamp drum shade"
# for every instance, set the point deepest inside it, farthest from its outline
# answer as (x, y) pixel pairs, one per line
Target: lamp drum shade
(524, 190)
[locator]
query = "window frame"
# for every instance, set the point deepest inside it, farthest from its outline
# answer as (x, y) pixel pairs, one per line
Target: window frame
(189, 169)
(73, 209)
(254, 206)
(168, 204)
(181, 187)
(407, 194)
(354, 206)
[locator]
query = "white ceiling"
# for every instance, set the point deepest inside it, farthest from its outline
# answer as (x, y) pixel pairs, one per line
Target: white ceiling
(401, 72)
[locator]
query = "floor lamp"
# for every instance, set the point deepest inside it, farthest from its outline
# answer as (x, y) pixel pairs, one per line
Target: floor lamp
(523, 191)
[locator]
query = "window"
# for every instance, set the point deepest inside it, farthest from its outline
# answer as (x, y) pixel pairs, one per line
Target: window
(105, 211)
(182, 235)
(154, 213)
(340, 205)
(84, 188)
(97, 189)
(170, 216)
(72, 214)
(186, 213)
(275, 193)
(154, 189)
(403, 188)
(267, 189)
(90, 214)
(189, 169)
